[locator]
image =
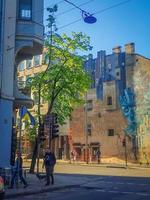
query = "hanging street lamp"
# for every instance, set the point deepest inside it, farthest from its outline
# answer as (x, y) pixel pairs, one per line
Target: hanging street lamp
(87, 17)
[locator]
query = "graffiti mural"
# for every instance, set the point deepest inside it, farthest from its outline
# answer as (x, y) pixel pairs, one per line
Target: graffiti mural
(127, 104)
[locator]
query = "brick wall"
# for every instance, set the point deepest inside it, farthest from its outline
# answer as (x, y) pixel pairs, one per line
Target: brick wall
(101, 121)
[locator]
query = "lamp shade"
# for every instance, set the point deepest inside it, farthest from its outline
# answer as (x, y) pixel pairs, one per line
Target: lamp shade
(89, 19)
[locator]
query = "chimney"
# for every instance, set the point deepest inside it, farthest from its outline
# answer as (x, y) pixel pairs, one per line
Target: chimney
(130, 48)
(116, 49)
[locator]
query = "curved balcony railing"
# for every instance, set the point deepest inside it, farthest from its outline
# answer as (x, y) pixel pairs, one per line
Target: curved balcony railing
(31, 29)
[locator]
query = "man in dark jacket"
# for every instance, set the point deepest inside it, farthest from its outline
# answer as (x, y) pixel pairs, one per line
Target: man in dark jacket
(18, 172)
(49, 163)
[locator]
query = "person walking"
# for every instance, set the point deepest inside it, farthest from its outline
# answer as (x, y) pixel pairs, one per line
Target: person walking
(49, 163)
(98, 154)
(18, 171)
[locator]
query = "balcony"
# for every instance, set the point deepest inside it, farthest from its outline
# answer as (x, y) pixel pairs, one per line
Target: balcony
(29, 39)
(22, 95)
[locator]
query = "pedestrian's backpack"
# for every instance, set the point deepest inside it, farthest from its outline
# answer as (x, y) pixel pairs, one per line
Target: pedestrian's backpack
(47, 160)
(50, 159)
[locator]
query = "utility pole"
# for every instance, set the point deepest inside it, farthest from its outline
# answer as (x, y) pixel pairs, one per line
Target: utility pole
(50, 133)
(125, 151)
(39, 125)
(85, 130)
(37, 140)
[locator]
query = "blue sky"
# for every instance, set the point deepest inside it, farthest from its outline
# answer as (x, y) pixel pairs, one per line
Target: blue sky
(129, 22)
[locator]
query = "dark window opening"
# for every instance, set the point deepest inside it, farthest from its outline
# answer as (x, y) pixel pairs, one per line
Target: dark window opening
(109, 100)
(89, 105)
(117, 74)
(25, 9)
(89, 129)
(110, 132)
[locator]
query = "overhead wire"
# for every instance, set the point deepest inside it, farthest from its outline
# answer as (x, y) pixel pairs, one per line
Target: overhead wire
(69, 10)
(98, 12)
(113, 6)
(73, 4)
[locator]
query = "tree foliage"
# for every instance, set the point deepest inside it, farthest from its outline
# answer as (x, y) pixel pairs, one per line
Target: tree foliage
(65, 80)
(31, 132)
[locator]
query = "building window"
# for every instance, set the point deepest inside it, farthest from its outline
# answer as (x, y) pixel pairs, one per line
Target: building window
(21, 66)
(25, 9)
(109, 100)
(37, 60)
(28, 64)
(89, 105)
(89, 129)
(110, 132)
(118, 75)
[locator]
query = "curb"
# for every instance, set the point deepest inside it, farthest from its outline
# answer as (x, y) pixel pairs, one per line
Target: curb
(106, 165)
(27, 193)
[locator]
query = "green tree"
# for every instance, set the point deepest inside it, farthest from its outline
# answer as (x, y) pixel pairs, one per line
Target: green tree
(65, 81)
(31, 133)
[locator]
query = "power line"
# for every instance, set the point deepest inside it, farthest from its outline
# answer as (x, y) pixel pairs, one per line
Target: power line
(98, 12)
(62, 13)
(73, 22)
(73, 5)
(113, 6)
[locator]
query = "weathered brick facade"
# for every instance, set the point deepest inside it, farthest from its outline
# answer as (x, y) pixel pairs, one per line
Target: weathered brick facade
(101, 121)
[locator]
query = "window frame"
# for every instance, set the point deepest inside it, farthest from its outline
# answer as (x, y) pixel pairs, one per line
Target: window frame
(21, 66)
(37, 65)
(25, 18)
(28, 61)
(111, 132)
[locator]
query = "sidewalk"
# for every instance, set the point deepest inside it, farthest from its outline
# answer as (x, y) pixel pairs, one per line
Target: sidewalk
(38, 186)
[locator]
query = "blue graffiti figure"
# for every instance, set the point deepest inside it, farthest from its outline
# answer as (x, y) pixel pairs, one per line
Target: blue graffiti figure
(127, 104)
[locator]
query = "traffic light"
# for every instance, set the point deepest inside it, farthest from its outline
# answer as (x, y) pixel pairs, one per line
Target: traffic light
(13, 146)
(41, 133)
(55, 126)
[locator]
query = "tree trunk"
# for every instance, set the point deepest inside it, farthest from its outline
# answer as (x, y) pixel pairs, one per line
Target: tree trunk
(34, 156)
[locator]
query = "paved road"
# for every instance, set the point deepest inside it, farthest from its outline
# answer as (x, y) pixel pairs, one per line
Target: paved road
(102, 184)
(98, 187)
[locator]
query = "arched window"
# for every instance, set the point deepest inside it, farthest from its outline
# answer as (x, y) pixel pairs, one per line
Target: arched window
(25, 9)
